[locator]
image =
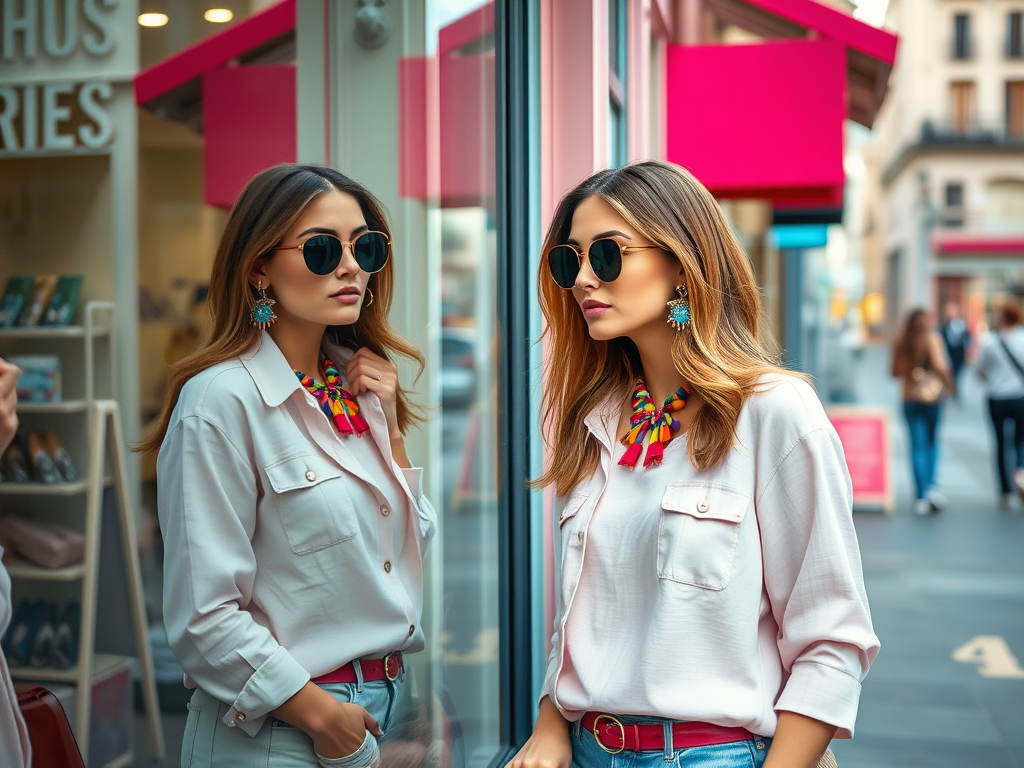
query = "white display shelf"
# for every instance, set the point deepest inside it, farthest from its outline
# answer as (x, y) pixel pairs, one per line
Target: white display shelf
(101, 664)
(43, 489)
(20, 569)
(51, 332)
(64, 406)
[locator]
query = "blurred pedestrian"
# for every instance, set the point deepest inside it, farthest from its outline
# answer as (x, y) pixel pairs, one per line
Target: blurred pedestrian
(957, 338)
(14, 746)
(919, 360)
(999, 365)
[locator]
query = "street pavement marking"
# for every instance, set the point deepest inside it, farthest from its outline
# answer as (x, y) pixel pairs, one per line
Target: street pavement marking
(992, 655)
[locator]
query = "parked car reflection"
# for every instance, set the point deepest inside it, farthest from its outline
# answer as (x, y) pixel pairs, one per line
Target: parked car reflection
(458, 367)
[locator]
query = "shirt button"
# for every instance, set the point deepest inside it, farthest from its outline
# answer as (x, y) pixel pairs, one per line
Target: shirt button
(310, 475)
(387, 566)
(412, 628)
(384, 510)
(703, 506)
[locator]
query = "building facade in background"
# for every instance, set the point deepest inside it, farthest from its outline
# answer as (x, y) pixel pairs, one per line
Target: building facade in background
(946, 222)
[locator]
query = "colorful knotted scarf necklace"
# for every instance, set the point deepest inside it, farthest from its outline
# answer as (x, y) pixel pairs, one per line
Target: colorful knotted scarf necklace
(337, 403)
(657, 423)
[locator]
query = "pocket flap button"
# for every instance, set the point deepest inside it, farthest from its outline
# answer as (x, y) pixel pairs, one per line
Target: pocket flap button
(310, 475)
(703, 506)
(240, 717)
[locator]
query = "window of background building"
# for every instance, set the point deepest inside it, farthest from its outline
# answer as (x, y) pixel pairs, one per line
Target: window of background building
(1015, 35)
(617, 82)
(962, 36)
(961, 106)
(953, 212)
(1015, 109)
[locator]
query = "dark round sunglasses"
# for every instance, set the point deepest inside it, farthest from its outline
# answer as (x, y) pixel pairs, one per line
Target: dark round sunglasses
(605, 257)
(322, 253)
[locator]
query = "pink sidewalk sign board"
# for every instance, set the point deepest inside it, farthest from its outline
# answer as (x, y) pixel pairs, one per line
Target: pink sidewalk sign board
(864, 433)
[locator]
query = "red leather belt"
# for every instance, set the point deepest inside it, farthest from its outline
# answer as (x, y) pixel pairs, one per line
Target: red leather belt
(614, 736)
(388, 668)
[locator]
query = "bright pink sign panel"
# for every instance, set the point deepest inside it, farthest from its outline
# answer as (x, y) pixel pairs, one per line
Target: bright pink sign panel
(248, 125)
(864, 434)
(762, 120)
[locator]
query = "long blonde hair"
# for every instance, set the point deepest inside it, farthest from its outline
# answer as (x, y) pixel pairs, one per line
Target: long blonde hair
(268, 207)
(721, 356)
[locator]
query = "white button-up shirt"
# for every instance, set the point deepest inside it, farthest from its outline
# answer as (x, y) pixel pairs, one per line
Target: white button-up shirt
(722, 596)
(289, 549)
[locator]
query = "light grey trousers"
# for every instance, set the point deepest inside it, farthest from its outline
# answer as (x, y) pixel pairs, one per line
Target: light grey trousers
(209, 743)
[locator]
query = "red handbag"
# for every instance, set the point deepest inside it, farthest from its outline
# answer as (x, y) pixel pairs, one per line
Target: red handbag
(49, 732)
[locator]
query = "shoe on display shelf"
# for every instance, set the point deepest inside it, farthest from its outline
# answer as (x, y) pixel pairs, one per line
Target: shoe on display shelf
(60, 456)
(45, 470)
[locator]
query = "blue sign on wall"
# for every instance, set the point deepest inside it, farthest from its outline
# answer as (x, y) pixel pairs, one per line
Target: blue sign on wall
(800, 235)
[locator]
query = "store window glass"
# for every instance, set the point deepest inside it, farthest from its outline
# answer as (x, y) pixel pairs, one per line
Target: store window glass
(427, 148)
(469, 641)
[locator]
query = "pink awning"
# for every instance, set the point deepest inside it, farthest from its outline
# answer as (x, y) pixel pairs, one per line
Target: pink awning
(978, 244)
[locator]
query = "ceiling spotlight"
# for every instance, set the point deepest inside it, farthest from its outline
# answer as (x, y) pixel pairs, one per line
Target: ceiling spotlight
(153, 19)
(218, 15)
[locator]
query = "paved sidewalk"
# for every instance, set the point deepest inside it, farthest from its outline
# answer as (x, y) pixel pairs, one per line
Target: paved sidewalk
(936, 584)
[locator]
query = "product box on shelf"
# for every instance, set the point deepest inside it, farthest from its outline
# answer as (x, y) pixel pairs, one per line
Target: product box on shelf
(40, 380)
(65, 298)
(16, 296)
(39, 300)
(110, 728)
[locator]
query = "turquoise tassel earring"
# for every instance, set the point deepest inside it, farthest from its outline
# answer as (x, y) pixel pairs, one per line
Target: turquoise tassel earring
(263, 314)
(679, 309)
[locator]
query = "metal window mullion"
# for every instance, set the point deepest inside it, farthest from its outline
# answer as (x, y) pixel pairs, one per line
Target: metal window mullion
(512, 70)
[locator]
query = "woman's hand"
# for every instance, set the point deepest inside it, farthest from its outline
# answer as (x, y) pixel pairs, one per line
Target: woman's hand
(343, 730)
(549, 746)
(368, 372)
(337, 728)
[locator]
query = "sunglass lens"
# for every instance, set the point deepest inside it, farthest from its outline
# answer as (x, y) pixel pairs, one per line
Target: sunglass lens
(605, 259)
(322, 254)
(371, 251)
(564, 264)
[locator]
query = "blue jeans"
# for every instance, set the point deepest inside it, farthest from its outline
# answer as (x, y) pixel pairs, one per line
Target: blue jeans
(923, 424)
(587, 753)
(209, 743)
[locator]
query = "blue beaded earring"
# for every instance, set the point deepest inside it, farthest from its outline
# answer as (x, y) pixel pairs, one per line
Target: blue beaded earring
(679, 309)
(262, 314)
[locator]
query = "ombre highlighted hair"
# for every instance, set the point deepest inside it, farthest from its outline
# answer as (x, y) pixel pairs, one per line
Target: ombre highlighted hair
(268, 207)
(721, 357)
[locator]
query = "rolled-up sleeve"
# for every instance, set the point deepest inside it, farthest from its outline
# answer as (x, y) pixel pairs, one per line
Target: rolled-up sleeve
(815, 582)
(207, 508)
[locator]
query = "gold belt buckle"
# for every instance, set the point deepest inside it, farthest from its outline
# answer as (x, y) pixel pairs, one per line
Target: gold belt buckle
(622, 731)
(387, 666)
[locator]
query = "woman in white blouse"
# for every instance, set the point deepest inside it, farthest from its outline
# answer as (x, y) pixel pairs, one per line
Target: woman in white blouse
(293, 521)
(711, 610)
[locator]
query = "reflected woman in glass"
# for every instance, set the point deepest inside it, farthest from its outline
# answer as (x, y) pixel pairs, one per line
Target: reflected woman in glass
(712, 609)
(293, 521)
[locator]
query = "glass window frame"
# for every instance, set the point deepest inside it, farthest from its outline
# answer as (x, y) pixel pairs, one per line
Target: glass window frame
(618, 57)
(517, 26)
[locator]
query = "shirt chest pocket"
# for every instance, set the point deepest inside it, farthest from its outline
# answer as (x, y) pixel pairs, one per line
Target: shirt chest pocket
(700, 527)
(312, 501)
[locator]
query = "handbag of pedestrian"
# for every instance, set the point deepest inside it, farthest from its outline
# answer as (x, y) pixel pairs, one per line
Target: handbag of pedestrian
(927, 386)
